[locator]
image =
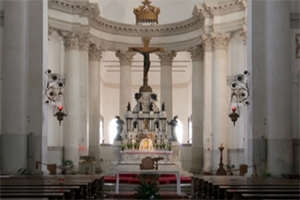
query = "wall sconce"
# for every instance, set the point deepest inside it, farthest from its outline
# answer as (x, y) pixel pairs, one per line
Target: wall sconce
(54, 95)
(240, 94)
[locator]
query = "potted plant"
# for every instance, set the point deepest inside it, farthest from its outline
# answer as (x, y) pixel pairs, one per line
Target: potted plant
(66, 165)
(129, 145)
(137, 145)
(24, 171)
(123, 146)
(169, 146)
(162, 145)
(229, 169)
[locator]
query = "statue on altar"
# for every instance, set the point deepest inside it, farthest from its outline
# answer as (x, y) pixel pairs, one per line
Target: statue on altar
(173, 123)
(120, 123)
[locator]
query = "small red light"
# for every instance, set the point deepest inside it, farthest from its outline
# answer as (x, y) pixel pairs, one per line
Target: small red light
(82, 148)
(60, 108)
(233, 108)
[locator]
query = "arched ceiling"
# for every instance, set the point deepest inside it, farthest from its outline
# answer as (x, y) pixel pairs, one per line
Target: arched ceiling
(121, 11)
(172, 11)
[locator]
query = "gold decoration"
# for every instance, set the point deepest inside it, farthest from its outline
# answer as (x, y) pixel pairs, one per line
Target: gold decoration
(146, 13)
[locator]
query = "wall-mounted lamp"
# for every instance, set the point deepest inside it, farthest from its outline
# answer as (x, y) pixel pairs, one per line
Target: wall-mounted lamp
(239, 94)
(54, 95)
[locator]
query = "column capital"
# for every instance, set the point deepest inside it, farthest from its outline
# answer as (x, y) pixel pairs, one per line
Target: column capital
(125, 57)
(167, 57)
(95, 52)
(207, 42)
(84, 43)
(71, 40)
(196, 52)
(243, 33)
(220, 40)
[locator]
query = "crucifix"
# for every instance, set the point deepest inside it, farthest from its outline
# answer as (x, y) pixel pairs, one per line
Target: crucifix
(145, 51)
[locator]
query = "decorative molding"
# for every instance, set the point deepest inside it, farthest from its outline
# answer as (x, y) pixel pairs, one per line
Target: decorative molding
(229, 26)
(207, 42)
(215, 8)
(125, 57)
(84, 43)
(186, 26)
(196, 52)
(220, 40)
(71, 40)
(166, 57)
(95, 52)
(244, 34)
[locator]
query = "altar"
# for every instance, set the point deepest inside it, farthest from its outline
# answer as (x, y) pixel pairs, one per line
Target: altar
(146, 131)
(135, 156)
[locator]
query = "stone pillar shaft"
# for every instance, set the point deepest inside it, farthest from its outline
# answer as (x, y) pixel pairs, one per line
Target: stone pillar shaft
(279, 110)
(220, 98)
(166, 83)
(125, 81)
(24, 62)
(84, 44)
(197, 108)
(207, 119)
(71, 123)
(94, 102)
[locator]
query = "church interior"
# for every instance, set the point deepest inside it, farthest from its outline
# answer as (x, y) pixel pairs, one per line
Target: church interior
(193, 88)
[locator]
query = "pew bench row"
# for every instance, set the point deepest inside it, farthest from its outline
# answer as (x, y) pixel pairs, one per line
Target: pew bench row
(52, 187)
(230, 187)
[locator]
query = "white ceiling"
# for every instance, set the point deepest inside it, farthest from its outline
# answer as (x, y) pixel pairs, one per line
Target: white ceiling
(171, 11)
(121, 11)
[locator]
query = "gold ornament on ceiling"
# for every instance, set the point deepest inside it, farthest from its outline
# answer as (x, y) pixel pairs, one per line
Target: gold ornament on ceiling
(146, 14)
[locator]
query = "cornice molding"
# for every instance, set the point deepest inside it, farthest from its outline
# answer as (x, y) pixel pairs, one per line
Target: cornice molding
(215, 8)
(229, 26)
(186, 26)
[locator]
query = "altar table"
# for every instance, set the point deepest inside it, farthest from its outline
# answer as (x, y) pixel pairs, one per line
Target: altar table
(135, 169)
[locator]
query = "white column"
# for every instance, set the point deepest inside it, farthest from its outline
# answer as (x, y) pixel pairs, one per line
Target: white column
(207, 119)
(24, 60)
(220, 98)
(197, 108)
(72, 123)
(166, 84)
(279, 110)
(84, 44)
(125, 82)
(94, 103)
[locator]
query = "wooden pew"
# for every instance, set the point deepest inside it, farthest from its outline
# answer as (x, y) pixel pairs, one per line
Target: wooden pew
(91, 185)
(211, 186)
(271, 196)
(237, 193)
(51, 195)
(214, 191)
(222, 189)
(68, 194)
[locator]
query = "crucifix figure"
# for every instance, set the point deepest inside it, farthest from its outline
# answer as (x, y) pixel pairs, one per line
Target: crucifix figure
(145, 51)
